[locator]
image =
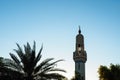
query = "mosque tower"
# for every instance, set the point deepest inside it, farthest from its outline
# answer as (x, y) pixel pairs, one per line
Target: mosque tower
(79, 57)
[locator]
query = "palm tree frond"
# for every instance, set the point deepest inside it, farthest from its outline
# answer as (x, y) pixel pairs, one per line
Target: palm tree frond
(42, 64)
(57, 69)
(11, 64)
(28, 46)
(32, 57)
(53, 63)
(15, 58)
(33, 53)
(17, 62)
(19, 52)
(27, 49)
(38, 56)
(34, 46)
(46, 70)
(19, 48)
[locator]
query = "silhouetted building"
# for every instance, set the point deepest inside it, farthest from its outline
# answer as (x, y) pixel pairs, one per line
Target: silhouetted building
(80, 57)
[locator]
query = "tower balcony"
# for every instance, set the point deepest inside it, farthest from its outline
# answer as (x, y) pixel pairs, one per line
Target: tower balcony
(79, 57)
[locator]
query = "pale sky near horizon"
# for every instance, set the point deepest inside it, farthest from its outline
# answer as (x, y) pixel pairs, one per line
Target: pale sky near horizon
(54, 23)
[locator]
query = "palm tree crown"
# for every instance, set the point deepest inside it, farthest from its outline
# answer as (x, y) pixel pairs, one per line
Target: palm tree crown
(27, 64)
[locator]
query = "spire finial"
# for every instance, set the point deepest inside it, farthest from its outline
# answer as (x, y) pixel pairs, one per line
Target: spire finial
(79, 30)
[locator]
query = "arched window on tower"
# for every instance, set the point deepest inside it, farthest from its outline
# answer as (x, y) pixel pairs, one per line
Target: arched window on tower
(79, 48)
(78, 45)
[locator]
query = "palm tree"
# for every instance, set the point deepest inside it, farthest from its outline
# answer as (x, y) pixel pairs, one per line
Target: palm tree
(27, 64)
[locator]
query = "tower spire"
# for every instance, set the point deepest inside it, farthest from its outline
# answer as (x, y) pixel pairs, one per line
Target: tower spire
(79, 31)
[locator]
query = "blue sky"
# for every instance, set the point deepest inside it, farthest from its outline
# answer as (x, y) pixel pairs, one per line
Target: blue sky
(55, 24)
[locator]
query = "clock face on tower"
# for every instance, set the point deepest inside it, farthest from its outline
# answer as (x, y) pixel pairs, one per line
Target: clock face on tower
(79, 48)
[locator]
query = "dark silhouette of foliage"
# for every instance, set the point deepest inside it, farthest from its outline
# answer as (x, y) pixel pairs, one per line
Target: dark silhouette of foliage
(1, 61)
(77, 76)
(6, 73)
(73, 78)
(111, 73)
(27, 64)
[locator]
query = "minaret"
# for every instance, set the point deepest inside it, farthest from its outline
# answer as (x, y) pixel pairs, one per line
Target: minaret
(80, 57)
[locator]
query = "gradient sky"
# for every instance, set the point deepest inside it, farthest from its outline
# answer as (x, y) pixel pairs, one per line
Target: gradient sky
(55, 24)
